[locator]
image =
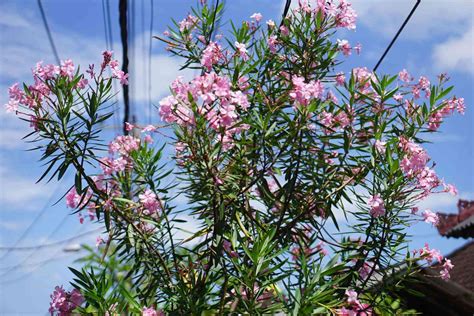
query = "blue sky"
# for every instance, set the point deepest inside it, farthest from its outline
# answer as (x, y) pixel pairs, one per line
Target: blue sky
(439, 38)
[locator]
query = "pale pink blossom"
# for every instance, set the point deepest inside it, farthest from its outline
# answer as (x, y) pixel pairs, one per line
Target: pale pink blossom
(272, 43)
(149, 128)
(257, 17)
(447, 267)
(377, 206)
(129, 126)
(340, 78)
(271, 24)
(358, 48)
(352, 296)
(67, 68)
(12, 106)
(380, 146)
(284, 30)
(450, 188)
(148, 139)
(344, 47)
(211, 55)
(430, 217)
(149, 201)
(241, 48)
(405, 76)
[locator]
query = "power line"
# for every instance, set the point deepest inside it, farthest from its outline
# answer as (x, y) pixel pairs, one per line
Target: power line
(285, 11)
(398, 33)
(50, 37)
(124, 37)
(29, 273)
(35, 220)
(53, 244)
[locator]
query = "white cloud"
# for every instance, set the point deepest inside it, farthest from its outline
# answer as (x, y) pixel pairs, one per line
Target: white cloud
(20, 193)
(432, 17)
(12, 225)
(444, 202)
(456, 54)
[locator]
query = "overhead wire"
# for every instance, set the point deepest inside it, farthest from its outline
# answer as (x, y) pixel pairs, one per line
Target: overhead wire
(36, 219)
(52, 244)
(48, 32)
(29, 273)
(123, 8)
(397, 34)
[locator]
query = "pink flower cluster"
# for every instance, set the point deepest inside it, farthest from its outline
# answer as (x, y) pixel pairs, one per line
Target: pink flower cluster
(221, 104)
(114, 66)
(448, 108)
(74, 200)
(356, 307)
(188, 24)
(211, 55)
(303, 93)
(377, 206)
(122, 146)
(433, 254)
(150, 311)
(430, 217)
(414, 166)
(343, 13)
(149, 202)
(63, 302)
(242, 51)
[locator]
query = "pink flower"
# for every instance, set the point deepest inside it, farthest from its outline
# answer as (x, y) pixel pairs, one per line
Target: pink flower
(340, 78)
(272, 43)
(128, 126)
(346, 16)
(271, 24)
(241, 48)
(149, 201)
(358, 48)
(15, 92)
(82, 83)
(148, 139)
(380, 146)
(240, 99)
(257, 17)
(211, 55)
(405, 76)
(284, 30)
(188, 23)
(11, 106)
(398, 97)
(99, 241)
(430, 254)
(376, 204)
(72, 198)
(228, 248)
(149, 128)
(303, 92)
(67, 68)
(63, 302)
(150, 311)
(120, 75)
(351, 297)
(344, 46)
(447, 267)
(107, 57)
(430, 217)
(450, 189)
